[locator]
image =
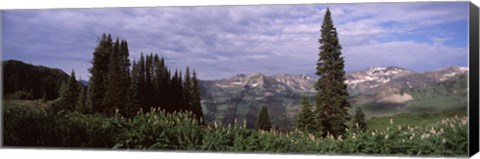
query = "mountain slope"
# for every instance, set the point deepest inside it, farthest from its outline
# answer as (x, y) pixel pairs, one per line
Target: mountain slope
(380, 90)
(27, 81)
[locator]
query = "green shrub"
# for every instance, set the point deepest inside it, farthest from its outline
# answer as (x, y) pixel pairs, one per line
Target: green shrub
(179, 131)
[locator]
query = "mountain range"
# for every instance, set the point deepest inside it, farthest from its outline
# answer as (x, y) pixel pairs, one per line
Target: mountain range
(380, 91)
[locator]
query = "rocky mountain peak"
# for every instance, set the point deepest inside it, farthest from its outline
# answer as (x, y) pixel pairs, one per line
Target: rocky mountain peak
(305, 76)
(380, 71)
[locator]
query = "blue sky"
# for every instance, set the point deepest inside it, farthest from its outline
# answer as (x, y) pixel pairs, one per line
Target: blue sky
(221, 41)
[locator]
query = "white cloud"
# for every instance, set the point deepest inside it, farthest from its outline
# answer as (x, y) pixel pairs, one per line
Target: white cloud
(221, 41)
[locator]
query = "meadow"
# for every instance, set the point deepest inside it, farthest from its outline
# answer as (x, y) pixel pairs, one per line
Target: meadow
(442, 134)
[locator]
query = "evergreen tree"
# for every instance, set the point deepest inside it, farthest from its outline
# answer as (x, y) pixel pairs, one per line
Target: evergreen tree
(306, 120)
(161, 82)
(188, 90)
(195, 97)
(113, 95)
(81, 101)
(148, 83)
(141, 79)
(332, 104)
(359, 123)
(124, 79)
(135, 95)
(99, 70)
(263, 120)
(69, 95)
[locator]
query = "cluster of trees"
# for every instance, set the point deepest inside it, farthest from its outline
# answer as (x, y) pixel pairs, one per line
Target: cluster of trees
(118, 86)
(331, 116)
(27, 81)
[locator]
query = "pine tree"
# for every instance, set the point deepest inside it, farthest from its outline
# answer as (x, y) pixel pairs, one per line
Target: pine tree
(148, 83)
(359, 123)
(69, 95)
(124, 79)
(263, 120)
(188, 90)
(332, 104)
(306, 120)
(113, 94)
(161, 82)
(141, 79)
(135, 97)
(81, 101)
(99, 70)
(195, 97)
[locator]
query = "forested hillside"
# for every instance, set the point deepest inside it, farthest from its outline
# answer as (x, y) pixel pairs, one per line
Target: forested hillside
(27, 81)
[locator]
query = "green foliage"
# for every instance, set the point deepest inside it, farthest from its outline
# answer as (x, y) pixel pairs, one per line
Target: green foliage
(68, 96)
(24, 126)
(27, 81)
(81, 105)
(114, 98)
(195, 97)
(263, 120)
(99, 71)
(359, 123)
(306, 118)
(158, 130)
(332, 104)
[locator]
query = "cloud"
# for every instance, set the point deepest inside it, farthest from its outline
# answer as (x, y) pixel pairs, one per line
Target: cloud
(222, 41)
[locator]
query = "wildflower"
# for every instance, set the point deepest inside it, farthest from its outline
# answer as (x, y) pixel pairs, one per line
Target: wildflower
(399, 127)
(443, 140)
(386, 137)
(391, 121)
(403, 140)
(464, 121)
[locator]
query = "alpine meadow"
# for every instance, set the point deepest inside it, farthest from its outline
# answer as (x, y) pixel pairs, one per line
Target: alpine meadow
(355, 97)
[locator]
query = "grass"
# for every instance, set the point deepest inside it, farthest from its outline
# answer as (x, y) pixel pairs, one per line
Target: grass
(418, 120)
(27, 103)
(435, 105)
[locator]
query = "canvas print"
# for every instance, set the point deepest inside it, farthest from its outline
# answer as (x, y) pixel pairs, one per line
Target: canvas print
(323, 79)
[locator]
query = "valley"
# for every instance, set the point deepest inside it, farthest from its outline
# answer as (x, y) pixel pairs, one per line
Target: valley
(380, 91)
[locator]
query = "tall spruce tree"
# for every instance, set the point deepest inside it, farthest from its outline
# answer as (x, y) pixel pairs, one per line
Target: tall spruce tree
(306, 118)
(141, 79)
(263, 120)
(98, 71)
(135, 97)
(124, 79)
(149, 88)
(161, 82)
(113, 94)
(69, 95)
(195, 97)
(81, 101)
(359, 123)
(332, 104)
(188, 90)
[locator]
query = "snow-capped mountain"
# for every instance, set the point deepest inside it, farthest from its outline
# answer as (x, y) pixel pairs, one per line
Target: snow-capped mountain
(375, 76)
(241, 96)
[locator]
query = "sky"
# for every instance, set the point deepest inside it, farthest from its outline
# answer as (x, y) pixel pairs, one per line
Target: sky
(222, 41)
